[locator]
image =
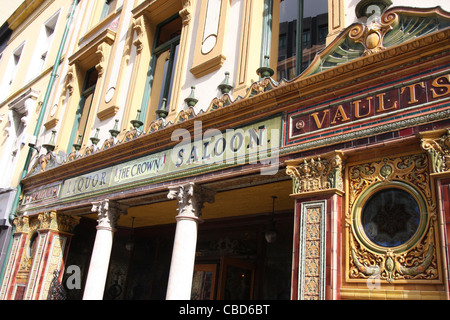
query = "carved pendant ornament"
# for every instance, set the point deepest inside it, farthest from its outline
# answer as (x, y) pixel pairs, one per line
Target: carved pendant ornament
(391, 221)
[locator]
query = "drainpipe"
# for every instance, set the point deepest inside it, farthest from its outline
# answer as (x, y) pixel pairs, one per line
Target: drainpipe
(37, 129)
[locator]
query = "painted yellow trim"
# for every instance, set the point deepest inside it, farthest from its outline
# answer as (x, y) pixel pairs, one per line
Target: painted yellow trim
(208, 66)
(336, 19)
(23, 12)
(156, 88)
(250, 46)
(275, 35)
(386, 294)
(86, 57)
(183, 55)
(141, 46)
(214, 59)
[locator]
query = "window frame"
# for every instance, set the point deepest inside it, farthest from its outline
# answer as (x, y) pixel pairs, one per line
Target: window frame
(166, 87)
(273, 28)
(81, 109)
(362, 200)
(43, 46)
(11, 71)
(108, 9)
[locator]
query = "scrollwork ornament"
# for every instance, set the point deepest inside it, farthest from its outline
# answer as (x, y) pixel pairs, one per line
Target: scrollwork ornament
(371, 35)
(439, 151)
(416, 260)
(418, 263)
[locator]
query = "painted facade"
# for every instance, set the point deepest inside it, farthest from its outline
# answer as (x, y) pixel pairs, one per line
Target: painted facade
(195, 149)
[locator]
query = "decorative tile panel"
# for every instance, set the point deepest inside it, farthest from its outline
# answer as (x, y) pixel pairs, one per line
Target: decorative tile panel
(312, 251)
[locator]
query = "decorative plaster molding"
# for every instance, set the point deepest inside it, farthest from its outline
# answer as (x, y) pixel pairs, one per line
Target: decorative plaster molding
(190, 198)
(108, 213)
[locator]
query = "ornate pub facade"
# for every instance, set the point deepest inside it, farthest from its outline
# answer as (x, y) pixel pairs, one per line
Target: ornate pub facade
(208, 150)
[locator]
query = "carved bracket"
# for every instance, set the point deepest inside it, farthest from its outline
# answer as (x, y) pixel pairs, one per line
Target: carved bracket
(439, 150)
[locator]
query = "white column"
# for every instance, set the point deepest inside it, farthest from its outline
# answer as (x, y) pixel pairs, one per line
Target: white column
(108, 214)
(190, 199)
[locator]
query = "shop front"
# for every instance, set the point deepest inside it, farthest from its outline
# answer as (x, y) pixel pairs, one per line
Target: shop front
(331, 186)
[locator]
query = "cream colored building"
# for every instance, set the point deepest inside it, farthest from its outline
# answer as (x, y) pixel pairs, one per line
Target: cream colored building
(31, 37)
(91, 96)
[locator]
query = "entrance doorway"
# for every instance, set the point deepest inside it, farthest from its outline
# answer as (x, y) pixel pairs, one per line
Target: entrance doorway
(235, 280)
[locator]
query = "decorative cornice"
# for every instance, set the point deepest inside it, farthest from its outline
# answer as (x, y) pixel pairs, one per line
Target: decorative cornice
(266, 97)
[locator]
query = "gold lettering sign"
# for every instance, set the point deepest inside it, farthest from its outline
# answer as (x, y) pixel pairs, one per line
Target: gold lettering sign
(248, 144)
(366, 109)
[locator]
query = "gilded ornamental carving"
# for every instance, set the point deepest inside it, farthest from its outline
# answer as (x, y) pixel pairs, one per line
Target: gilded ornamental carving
(22, 224)
(57, 222)
(316, 174)
(439, 150)
(371, 35)
(414, 258)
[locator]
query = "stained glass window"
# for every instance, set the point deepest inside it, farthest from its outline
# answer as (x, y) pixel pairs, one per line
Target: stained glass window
(390, 217)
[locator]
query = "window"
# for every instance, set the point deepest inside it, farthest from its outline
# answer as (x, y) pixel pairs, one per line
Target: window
(390, 217)
(84, 108)
(108, 8)
(297, 49)
(43, 45)
(162, 68)
(10, 73)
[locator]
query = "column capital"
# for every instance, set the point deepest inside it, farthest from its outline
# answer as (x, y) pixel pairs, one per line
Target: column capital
(22, 224)
(437, 144)
(108, 212)
(57, 222)
(317, 174)
(190, 198)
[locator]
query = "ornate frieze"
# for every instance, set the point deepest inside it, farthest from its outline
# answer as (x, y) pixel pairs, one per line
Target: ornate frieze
(394, 239)
(317, 174)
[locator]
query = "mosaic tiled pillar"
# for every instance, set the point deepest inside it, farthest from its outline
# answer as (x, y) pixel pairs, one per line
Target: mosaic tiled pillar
(318, 189)
(53, 235)
(437, 145)
(13, 284)
(190, 198)
(40, 245)
(311, 265)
